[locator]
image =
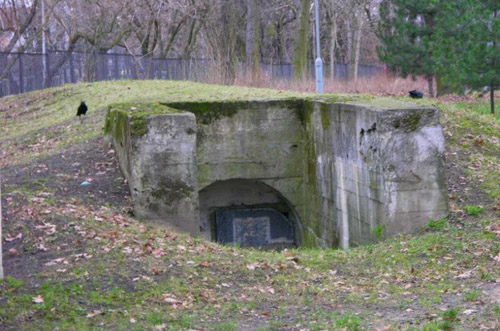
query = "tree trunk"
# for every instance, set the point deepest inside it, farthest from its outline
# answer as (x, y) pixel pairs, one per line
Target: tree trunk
(348, 42)
(354, 63)
(430, 84)
(301, 43)
(227, 42)
(440, 86)
(22, 27)
(249, 35)
(492, 98)
(281, 42)
(252, 38)
(333, 42)
(193, 35)
(90, 66)
(56, 66)
(173, 31)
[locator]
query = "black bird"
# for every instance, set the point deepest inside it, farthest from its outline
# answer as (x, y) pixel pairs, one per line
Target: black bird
(82, 109)
(416, 94)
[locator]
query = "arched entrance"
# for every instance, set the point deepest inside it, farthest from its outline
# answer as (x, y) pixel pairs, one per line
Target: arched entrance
(248, 213)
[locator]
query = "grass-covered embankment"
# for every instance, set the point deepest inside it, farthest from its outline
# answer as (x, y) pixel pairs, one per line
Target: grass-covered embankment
(75, 259)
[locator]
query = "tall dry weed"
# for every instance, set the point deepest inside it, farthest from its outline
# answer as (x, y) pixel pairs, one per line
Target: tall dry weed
(382, 84)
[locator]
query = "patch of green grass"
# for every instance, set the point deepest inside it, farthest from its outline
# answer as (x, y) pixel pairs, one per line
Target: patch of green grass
(437, 225)
(491, 184)
(184, 321)
(481, 107)
(496, 309)
(378, 231)
(13, 283)
(450, 315)
(349, 322)
(40, 182)
(473, 210)
(472, 295)
(486, 276)
(224, 326)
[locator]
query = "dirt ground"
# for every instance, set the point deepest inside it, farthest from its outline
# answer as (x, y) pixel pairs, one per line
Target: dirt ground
(61, 175)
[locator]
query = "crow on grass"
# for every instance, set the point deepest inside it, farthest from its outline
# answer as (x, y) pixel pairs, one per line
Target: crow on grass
(82, 109)
(416, 94)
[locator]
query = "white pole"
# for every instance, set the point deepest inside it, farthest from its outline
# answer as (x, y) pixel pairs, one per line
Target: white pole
(318, 63)
(44, 60)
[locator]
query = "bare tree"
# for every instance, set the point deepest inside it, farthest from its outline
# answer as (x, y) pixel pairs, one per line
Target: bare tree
(18, 27)
(253, 37)
(332, 16)
(301, 42)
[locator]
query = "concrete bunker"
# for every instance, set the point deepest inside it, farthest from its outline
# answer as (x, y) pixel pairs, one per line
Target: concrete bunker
(299, 172)
(248, 213)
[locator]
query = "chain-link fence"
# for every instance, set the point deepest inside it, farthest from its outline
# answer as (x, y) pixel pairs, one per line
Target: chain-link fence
(24, 72)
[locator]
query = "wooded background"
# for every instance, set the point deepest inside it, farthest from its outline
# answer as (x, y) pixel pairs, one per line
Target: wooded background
(454, 45)
(226, 32)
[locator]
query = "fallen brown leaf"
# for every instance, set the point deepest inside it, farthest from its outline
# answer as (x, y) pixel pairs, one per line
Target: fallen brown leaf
(204, 264)
(37, 299)
(94, 313)
(9, 238)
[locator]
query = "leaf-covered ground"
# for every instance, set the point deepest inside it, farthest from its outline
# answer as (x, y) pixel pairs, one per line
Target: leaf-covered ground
(75, 259)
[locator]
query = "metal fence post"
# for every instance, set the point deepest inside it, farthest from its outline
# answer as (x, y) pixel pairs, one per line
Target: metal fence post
(21, 74)
(117, 71)
(48, 77)
(71, 68)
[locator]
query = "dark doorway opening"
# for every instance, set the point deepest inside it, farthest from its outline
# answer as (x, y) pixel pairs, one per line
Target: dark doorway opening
(259, 227)
(248, 213)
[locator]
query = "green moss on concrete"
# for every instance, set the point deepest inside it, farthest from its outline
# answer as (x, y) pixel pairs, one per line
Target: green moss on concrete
(120, 126)
(310, 153)
(208, 112)
(309, 239)
(325, 121)
(142, 109)
(408, 122)
(138, 126)
(340, 98)
(159, 193)
(108, 121)
(303, 110)
(384, 103)
(171, 191)
(116, 124)
(311, 221)
(135, 114)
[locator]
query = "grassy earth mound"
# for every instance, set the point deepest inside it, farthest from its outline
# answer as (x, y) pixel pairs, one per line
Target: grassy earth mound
(76, 260)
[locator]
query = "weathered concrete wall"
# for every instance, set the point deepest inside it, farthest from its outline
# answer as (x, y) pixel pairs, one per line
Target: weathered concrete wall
(259, 141)
(341, 169)
(158, 157)
(376, 167)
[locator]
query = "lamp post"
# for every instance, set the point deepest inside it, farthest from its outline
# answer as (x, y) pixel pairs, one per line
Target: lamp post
(318, 64)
